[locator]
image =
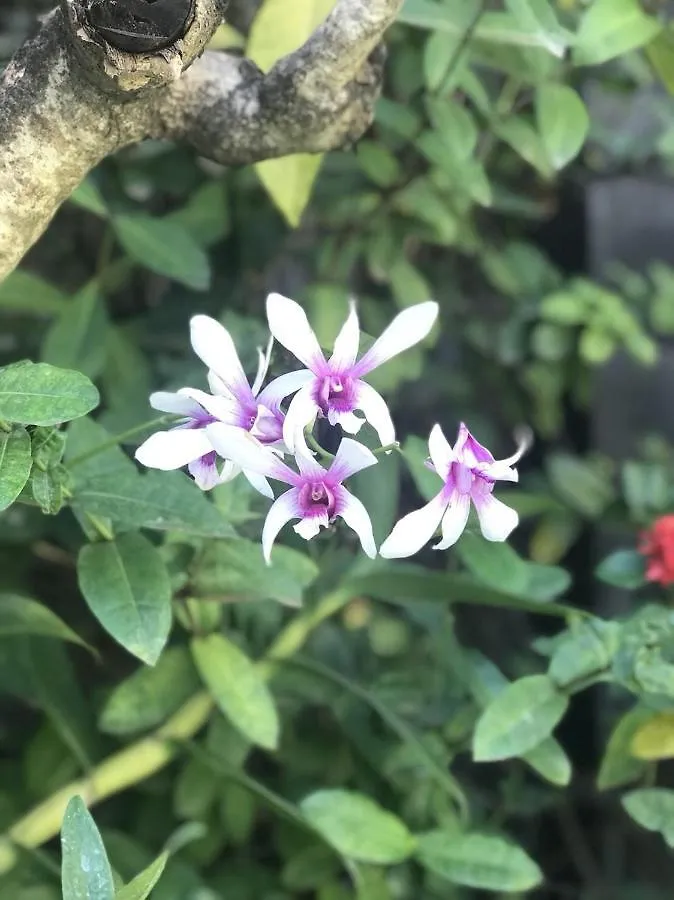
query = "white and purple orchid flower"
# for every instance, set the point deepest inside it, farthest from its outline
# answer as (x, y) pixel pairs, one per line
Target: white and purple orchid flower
(334, 388)
(469, 472)
(316, 496)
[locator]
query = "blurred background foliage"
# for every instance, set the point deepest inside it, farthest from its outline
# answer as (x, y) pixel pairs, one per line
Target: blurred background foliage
(471, 187)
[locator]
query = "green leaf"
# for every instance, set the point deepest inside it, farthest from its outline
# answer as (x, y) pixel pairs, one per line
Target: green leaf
(237, 688)
(587, 649)
(563, 122)
(525, 141)
(165, 247)
(19, 615)
(611, 28)
(479, 861)
(150, 695)
(166, 501)
(27, 293)
(77, 339)
(538, 17)
(40, 394)
(234, 569)
(85, 870)
(274, 34)
(206, 214)
(357, 827)
(87, 196)
(378, 163)
(142, 884)
(48, 488)
(16, 462)
(660, 52)
(653, 809)
(127, 588)
(496, 564)
(623, 569)
(618, 766)
(518, 719)
(597, 345)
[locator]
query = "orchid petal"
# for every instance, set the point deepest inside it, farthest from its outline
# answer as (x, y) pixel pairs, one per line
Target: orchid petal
(305, 459)
(218, 386)
(442, 455)
(259, 482)
(348, 421)
(408, 328)
(454, 520)
(243, 449)
(205, 472)
(219, 407)
(357, 518)
(309, 527)
(262, 367)
(229, 471)
(501, 470)
(496, 519)
(282, 510)
(376, 412)
(283, 386)
(289, 325)
(346, 344)
(174, 449)
(215, 348)
(414, 530)
(301, 412)
(469, 451)
(180, 404)
(351, 457)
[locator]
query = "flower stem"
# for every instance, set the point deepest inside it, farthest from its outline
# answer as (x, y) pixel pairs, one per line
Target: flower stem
(387, 448)
(149, 755)
(120, 439)
(313, 443)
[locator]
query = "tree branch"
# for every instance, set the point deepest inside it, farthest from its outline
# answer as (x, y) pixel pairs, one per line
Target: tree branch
(68, 99)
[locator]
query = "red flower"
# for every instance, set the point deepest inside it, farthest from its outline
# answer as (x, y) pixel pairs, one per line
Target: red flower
(658, 545)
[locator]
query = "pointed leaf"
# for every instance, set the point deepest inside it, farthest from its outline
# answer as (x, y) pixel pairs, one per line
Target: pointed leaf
(19, 615)
(654, 739)
(142, 884)
(619, 766)
(16, 462)
(563, 122)
(653, 809)
(127, 587)
(77, 339)
(40, 394)
(238, 688)
(85, 870)
(610, 28)
(357, 827)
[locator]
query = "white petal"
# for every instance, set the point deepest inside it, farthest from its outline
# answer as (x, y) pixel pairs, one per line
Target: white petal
(351, 457)
(179, 404)
(205, 474)
(243, 449)
(262, 367)
(346, 344)
(440, 451)
(305, 459)
(229, 471)
(283, 386)
(357, 517)
(500, 469)
(349, 422)
(454, 520)
(173, 449)
(259, 482)
(308, 528)
(215, 348)
(376, 412)
(301, 412)
(220, 407)
(496, 519)
(282, 510)
(408, 328)
(290, 326)
(218, 386)
(414, 530)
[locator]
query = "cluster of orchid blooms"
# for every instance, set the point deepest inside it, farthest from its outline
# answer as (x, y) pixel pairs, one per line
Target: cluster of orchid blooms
(243, 428)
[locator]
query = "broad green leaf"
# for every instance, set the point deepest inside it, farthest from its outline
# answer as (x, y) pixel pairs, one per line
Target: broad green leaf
(653, 809)
(85, 870)
(27, 293)
(48, 488)
(495, 564)
(206, 214)
(579, 484)
(165, 247)
(379, 164)
(234, 569)
(16, 462)
(618, 765)
(87, 196)
(611, 28)
(478, 860)
(587, 649)
(40, 394)
(238, 688)
(274, 34)
(538, 17)
(518, 719)
(127, 588)
(654, 739)
(150, 695)
(526, 141)
(455, 125)
(357, 827)
(19, 615)
(77, 339)
(624, 569)
(310, 868)
(563, 122)
(142, 884)
(660, 52)
(165, 501)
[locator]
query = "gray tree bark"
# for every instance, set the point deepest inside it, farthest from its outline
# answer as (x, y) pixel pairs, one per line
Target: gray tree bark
(68, 99)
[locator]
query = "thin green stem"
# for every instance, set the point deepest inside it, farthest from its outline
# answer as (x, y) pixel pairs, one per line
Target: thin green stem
(120, 439)
(387, 448)
(313, 443)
